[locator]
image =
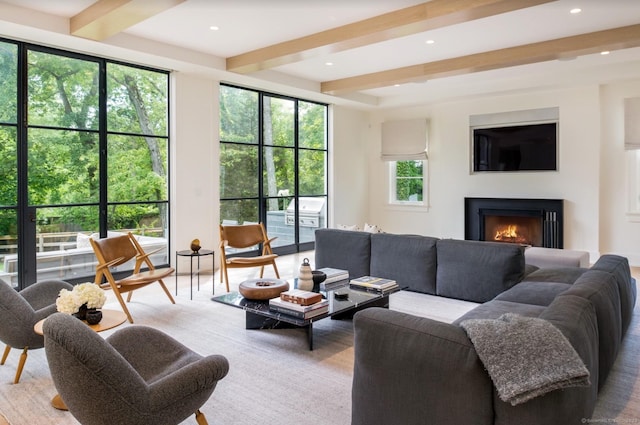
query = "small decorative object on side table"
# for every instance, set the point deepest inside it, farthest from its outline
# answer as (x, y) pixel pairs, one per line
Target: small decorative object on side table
(195, 245)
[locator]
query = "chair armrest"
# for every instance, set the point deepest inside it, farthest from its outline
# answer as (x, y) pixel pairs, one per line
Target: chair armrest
(147, 254)
(108, 264)
(199, 376)
(44, 293)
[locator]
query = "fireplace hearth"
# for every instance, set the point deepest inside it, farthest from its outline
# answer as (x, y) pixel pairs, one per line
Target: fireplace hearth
(534, 222)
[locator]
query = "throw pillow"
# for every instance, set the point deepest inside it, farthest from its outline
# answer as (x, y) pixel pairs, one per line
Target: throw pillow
(348, 227)
(372, 228)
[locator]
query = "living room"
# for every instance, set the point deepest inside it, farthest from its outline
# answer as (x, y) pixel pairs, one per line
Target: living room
(595, 175)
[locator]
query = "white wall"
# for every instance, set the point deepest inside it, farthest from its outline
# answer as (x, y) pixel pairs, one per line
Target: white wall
(195, 208)
(618, 234)
(349, 167)
(577, 181)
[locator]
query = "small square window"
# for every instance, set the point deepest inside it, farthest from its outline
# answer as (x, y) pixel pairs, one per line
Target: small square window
(407, 182)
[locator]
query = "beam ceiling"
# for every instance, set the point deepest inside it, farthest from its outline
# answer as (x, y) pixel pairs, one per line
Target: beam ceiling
(399, 23)
(106, 18)
(568, 47)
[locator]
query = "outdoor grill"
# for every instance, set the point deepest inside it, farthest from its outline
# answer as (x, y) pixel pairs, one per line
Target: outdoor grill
(309, 214)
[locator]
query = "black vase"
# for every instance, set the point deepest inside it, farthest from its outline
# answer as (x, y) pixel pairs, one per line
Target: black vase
(82, 312)
(94, 316)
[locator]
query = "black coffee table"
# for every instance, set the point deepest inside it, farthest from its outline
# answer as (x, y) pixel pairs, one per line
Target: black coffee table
(259, 316)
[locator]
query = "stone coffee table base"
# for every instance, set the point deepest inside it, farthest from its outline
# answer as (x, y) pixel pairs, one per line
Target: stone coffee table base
(259, 316)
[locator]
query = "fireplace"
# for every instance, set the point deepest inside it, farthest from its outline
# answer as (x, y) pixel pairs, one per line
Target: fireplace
(535, 222)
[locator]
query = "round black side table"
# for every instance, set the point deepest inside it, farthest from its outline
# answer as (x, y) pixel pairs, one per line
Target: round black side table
(192, 254)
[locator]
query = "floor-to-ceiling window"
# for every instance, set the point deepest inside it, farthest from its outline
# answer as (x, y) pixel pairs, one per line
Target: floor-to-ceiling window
(84, 145)
(273, 165)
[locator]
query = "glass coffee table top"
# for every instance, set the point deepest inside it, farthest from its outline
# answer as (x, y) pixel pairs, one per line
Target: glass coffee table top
(343, 303)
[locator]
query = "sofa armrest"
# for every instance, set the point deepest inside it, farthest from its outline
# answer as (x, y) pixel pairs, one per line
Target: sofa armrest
(410, 368)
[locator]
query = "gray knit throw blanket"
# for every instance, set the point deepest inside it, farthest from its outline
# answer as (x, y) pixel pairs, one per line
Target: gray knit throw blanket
(525, 357)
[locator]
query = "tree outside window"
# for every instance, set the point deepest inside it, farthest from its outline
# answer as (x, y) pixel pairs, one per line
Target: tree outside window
(407, 182)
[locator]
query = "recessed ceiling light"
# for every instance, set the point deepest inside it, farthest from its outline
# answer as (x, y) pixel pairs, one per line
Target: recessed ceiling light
(329, 63)
(214, 28)
(430, 41)
(575, 10)
(606, 52)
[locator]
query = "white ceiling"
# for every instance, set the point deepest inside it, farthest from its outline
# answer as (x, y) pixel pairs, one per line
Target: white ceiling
(245, 25)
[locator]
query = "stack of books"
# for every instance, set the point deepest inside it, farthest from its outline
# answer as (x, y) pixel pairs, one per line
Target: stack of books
(373, 284)
(300, 304)
(335, 278)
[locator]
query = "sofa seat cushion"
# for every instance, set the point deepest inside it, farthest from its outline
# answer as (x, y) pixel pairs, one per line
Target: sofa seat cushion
(601, 289)
(332, 244)
(409, 259)
(556, 274)
(477, 271)
(536, 293)
(496, 308)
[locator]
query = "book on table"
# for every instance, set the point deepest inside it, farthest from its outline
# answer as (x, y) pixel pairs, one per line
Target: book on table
(373, 284)
(334, 275)
(298, 296)
(336, 278)
(303, 312)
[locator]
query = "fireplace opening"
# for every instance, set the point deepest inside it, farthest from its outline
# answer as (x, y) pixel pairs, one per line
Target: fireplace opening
(510, 229)
(534, 222)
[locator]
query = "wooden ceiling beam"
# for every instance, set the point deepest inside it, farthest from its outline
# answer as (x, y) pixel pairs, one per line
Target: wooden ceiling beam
(106, 18)
(399, 23)
(568, 47)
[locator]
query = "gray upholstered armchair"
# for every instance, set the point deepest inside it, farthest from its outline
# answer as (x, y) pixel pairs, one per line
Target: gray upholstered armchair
(19, 311)
(138, 375)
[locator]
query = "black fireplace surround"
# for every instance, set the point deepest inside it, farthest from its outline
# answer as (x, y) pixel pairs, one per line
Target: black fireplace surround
(548, 211)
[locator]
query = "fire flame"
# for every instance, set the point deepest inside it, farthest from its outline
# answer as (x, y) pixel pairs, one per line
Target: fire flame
(510, 232)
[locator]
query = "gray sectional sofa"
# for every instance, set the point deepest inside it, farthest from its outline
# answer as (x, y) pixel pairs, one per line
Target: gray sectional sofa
(414, 370)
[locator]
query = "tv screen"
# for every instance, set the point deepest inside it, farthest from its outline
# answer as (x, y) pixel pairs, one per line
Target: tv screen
(530, 147)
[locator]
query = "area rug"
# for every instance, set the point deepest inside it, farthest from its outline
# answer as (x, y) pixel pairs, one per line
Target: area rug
(273, 377)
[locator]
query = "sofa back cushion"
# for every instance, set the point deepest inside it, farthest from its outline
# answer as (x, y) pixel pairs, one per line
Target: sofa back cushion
(408, 259)
(601, 289)
(343, 249)
(477, 271)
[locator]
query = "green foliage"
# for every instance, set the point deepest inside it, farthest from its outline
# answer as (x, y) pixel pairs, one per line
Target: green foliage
(63, 105)
(409, 180)
(238, 161)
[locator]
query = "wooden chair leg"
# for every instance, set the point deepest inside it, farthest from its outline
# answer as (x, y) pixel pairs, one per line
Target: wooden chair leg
(276, 270)
(23, 359)
(6, 353)
(226, 278)
(200, 418)
(166, 291)
(123, 305)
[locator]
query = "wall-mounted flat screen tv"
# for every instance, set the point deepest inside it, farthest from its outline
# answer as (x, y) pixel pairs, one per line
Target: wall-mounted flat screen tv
(529, 147)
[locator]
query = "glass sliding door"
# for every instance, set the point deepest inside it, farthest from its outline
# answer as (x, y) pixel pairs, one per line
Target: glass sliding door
(273, 165)
(83, 153)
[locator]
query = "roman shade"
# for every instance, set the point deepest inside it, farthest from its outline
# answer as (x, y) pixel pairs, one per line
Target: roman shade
(632, 123)
(404, 140)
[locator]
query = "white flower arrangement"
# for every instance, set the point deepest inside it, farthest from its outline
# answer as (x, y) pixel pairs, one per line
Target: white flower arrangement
(85, 293)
